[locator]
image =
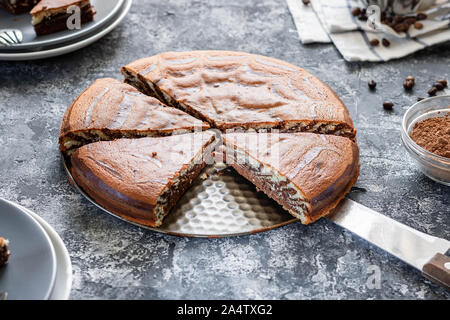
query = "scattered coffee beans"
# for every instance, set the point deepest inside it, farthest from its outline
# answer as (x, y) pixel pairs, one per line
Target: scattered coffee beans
(421, 16)
(374, 42)
(420, 98)
(432, 91)
(418, 25)
(410, 78)
(372, 84)
(388, 105)
(385, 42)
(306, 2)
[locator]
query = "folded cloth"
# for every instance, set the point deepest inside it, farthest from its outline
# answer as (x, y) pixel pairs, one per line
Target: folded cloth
(334, 19)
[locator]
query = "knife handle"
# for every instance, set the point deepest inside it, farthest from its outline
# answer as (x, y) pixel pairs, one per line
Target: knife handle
(438, 270)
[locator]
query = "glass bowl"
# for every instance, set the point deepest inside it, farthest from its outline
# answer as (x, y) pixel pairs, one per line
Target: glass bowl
(432, 165)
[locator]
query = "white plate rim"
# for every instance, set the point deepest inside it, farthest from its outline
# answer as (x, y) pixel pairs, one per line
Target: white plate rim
(47, 236)
(63, 261)
(67, 38)
(71, 47)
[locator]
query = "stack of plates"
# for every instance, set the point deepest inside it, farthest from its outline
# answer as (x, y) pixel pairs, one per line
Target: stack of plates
(39, 267)
(109, 14)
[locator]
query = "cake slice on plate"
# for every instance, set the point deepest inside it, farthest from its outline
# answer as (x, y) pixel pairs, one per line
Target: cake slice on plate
(308, 174)
(4, 252)
(110, 109)
(18, 6)
(50, 16)
(140, 180)
(236, 90)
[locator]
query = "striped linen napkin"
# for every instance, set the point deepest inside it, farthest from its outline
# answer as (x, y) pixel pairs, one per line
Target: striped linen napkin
(327, 21)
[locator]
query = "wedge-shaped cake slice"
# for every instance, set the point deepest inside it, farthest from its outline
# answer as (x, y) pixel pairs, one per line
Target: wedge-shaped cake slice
(109, 110)
(308, 174)
(140, 180)
(50, 16)
(238, 90)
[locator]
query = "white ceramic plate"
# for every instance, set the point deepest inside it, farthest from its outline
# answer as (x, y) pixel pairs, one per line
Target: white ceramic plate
(105, 9)
(63, 281)
(66, 48)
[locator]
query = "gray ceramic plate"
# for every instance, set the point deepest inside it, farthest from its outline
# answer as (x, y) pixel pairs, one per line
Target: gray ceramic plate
(106, 9)
(31, 271)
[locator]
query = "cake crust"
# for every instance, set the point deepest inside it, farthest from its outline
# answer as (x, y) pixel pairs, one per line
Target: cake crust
(109, 110)
(140, 180)
(313, 171)
(239, 90)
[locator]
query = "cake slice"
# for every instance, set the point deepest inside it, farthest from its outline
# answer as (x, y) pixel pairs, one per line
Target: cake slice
(308, 174)
(140, 180)
(4, 252)
(110, 109)
(236, 90)
(50, 16)
(18, 6)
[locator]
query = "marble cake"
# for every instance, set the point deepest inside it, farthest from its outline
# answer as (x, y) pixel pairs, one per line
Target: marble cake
(110, 109)
(308, 174)
(140, 180)
(235, 90)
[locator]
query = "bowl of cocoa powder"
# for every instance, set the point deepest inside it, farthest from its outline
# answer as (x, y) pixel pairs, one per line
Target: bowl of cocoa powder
(426, 137)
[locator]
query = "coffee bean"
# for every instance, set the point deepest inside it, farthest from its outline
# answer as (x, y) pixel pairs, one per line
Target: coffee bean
(388, 105)
(408, 85)
(356, 12)
(374, 42)
(401, 27)
(421, 16)
(443, 82)
(306, 2)
(420, 99)
(398, 19)
(363, 11)
(438, 86)
(418, 25)
(372, 84)
(385, 42)
(432, 91)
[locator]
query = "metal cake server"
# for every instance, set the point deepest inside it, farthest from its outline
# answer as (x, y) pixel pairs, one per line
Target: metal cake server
(10, 37)
(422, 251)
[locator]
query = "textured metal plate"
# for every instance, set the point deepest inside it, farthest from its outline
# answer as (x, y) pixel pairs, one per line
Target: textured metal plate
(220, 203)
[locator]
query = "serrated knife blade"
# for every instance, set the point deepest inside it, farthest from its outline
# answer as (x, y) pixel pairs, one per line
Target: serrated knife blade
(409, 245)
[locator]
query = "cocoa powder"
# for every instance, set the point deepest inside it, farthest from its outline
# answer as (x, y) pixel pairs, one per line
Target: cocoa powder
(433, 135)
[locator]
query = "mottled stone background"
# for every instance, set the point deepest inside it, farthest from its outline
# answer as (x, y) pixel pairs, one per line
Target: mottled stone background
(114, 260)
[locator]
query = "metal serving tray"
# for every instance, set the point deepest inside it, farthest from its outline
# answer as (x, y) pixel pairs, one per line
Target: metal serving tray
(220, 203)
